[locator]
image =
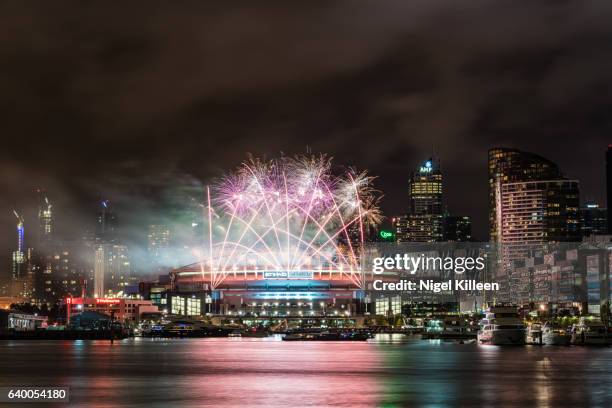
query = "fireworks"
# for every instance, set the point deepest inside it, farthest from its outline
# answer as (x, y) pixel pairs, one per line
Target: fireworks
(289, 214)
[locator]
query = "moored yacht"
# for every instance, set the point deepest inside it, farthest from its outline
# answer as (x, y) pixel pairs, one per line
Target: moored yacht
(555, 335)
(450, 327)
(502, 326)
(590, 331)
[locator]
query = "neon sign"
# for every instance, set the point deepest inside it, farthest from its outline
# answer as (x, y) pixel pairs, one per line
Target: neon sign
(107, 301)
(386, 235)
(427, 167)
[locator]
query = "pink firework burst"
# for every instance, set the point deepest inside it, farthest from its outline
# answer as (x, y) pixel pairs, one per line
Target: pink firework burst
(289, 214)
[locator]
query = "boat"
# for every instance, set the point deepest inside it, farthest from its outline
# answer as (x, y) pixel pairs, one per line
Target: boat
(448, 328)
(590, 331)
(256, 333)
(555, 335)
(235, 333)
(502, 326)
(328, 336)
(534, 333)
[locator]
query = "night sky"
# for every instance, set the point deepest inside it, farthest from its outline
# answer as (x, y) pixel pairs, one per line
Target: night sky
(124, 101)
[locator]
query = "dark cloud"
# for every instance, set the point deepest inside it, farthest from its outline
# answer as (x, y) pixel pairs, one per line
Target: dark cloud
(120, 99)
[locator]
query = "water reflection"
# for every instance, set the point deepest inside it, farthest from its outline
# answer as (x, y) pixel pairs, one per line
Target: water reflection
(392, 371)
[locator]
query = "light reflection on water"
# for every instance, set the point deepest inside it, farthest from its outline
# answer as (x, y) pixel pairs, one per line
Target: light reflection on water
(392, 371)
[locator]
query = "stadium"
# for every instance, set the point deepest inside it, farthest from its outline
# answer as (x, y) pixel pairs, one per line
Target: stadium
(285, 237)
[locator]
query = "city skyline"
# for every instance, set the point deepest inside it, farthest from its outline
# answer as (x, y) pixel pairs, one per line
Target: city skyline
(261, 204)
(136, 232)
(120, 109)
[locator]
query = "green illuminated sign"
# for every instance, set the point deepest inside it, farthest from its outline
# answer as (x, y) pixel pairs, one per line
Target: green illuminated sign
(386, 235)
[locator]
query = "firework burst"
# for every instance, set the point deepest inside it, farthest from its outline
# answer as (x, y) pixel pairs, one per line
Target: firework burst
(289, 214)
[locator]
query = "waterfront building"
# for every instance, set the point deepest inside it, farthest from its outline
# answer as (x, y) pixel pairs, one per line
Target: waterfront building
(533, 212)
(510, 166)
(15, 320)
(157, 292)
(532, 204)
(122, 309)
(596, 266)
(594, 219)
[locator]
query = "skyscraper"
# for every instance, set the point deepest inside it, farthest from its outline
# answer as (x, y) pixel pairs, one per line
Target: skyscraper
(424, 222)
(510, 166)
(106, 223)
(534, 212)
(45, 218)
(532, 203)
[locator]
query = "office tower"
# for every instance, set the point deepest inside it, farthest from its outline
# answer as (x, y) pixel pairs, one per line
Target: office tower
(609, 184)
(106, 223)
(45, 218)
(457, 228)
(594, 219)
(424, 223)
(112, 269)
(510, 166)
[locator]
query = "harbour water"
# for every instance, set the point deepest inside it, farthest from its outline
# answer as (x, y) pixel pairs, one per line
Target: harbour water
(391, 370)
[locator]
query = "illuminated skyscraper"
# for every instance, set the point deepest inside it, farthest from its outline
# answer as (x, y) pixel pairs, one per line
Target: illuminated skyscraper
(532, 203)
(511, 166)
(424, 222)
(45, 218)
(534, 212)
